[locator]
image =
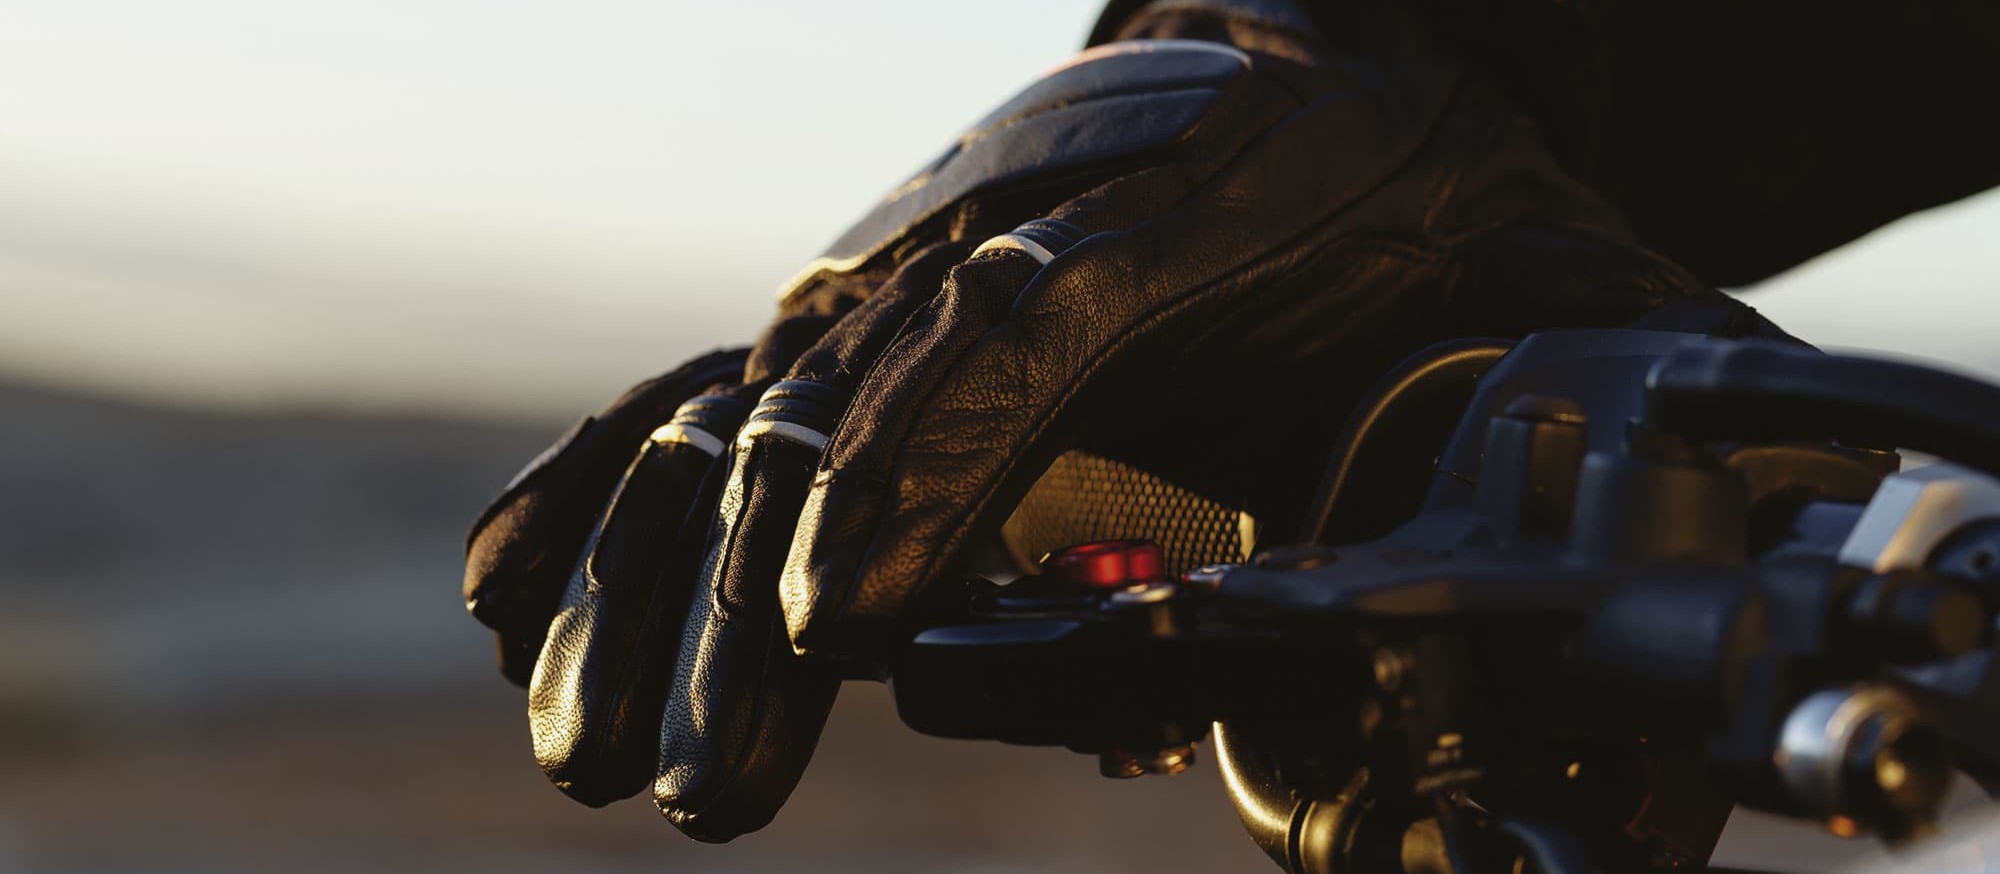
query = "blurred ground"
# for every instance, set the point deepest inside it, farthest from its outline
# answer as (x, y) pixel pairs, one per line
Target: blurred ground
(234, 643)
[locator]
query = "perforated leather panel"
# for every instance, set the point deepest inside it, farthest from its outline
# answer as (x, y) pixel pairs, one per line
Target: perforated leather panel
(1086, 497)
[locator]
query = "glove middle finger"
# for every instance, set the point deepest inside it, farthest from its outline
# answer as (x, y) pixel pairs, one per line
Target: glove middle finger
(600, 683)
(744, 712)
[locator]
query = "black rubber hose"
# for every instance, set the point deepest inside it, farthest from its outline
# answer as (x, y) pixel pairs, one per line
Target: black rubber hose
(1268, 809)
(1457, 834)
(1762, 391)
(1416, 405)
(1548, 850)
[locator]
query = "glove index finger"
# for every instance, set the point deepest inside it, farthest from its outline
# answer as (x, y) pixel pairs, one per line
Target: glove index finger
(841, 584)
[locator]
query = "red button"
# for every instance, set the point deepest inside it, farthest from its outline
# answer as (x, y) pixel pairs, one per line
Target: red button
(1107, 563)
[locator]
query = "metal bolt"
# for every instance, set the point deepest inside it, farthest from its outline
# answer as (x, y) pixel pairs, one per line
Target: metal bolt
(1861, 758)
(1170, 761)
(1141, 594)
(1207, 578)
(1391, 668)
(1890, 771)
(1166, 761)
(1119, 765)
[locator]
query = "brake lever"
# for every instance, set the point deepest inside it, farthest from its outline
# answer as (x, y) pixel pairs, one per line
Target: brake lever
(1132, 669)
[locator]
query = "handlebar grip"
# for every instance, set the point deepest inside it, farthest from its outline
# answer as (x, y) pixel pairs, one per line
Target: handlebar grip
(1763, 391)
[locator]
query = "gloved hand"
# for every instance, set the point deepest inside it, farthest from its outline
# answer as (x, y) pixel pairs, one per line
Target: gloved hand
(1186, 249)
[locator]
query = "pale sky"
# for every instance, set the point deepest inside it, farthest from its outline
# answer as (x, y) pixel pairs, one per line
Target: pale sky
(520, 206)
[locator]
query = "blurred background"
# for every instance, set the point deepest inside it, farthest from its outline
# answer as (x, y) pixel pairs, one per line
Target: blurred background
(288, 289)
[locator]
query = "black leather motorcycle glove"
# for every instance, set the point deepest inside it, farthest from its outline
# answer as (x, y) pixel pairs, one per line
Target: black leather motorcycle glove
(1186, 249)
